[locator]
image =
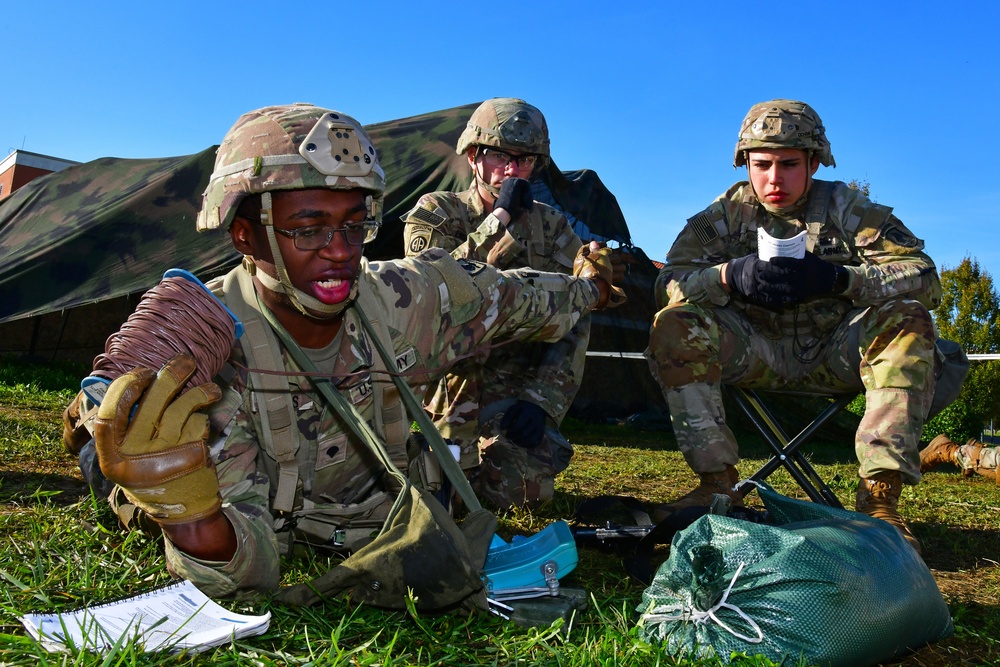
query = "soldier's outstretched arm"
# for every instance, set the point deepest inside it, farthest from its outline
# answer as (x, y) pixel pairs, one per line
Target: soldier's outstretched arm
(464, 304)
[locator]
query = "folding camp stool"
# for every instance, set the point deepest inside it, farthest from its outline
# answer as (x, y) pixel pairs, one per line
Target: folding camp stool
(786, 450)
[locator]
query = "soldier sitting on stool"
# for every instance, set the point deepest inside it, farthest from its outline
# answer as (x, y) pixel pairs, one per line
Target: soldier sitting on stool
(850, 315)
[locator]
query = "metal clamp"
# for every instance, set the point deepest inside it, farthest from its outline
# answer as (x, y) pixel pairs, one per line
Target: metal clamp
(551, 589)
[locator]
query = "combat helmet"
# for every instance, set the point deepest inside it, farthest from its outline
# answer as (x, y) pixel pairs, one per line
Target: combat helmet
(292, 147)
(507, 123)
(783, 124)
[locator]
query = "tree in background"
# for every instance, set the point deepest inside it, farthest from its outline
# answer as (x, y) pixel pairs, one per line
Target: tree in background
(862, 186)
(970, 315)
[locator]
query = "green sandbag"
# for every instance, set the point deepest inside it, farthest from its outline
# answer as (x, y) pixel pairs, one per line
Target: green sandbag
(819, 584)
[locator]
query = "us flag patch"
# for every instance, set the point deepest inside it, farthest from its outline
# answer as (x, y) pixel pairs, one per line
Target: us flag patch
(703, 228)
(430, 217)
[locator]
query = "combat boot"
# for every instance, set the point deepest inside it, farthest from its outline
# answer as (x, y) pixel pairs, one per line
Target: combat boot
(941, 450)
(972, 452)
(878, 497)
(701, 496)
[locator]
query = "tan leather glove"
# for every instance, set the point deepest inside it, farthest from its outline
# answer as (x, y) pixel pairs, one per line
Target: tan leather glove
(596, 261)
(159, 457)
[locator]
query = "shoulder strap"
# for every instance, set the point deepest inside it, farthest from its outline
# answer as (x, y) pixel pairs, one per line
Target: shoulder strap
(390, 416)
(262, 352)
(415, 409)
(347, 412)
(816, 212)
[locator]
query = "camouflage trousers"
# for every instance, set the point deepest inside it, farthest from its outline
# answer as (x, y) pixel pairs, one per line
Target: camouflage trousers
(886, 351)
(512, 476)
(502, 473)
(467, 407)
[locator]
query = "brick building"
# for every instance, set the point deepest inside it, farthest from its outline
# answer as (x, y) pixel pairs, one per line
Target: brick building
(20, 167)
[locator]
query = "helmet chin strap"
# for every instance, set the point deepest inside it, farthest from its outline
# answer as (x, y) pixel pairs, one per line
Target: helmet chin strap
(304, 303)
(480, 181)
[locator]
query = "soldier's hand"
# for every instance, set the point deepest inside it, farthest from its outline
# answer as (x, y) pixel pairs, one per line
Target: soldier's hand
(598, 262)
(75, 434)
(524, 423)
(744, 275)
(158, 456)
(515, 197)
(796, 280)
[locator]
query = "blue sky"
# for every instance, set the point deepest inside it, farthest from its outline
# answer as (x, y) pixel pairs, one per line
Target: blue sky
(649, 95)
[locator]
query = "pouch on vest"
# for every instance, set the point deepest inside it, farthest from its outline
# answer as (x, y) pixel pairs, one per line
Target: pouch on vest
(340, 528)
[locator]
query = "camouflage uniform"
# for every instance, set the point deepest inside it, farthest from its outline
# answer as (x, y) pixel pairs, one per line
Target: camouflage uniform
(468, 405)
(337, 473)
(877, 336)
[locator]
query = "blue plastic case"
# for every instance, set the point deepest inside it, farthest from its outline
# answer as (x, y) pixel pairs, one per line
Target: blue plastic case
(530, 566)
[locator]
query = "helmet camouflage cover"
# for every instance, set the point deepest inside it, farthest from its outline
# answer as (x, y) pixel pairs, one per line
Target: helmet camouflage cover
(291, 147)
(509, 124)
(783, 124)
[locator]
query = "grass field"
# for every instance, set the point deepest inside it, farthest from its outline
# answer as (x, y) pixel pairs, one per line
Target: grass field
(62, 548)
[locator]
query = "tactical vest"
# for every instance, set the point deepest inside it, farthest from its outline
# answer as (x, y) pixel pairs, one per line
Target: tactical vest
(833, 240)
(336, 526)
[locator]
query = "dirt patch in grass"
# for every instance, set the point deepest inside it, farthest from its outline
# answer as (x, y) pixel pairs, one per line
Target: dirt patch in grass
(25, 473)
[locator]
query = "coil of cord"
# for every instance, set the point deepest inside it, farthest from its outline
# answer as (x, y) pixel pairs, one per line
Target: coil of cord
(178, 315)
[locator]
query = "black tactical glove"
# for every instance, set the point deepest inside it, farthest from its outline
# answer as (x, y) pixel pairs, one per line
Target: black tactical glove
(515, 197)
(524, 423)
(744, 277)
(795, 280)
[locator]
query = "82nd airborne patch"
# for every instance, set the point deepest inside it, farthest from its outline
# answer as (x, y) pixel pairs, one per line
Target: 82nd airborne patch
(420, 240)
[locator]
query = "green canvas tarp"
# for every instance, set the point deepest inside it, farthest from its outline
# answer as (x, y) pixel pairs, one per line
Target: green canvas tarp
(79, 247)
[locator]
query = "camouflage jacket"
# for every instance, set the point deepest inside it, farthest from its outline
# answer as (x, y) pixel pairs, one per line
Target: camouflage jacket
(436, 310)
(540, 239)
(883, 258)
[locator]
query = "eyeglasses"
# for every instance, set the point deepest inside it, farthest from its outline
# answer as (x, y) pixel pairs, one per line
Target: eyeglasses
(314, 238)
(500, 159)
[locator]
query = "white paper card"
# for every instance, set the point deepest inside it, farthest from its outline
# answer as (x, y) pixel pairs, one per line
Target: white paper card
(768, 246)
(172, 618)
